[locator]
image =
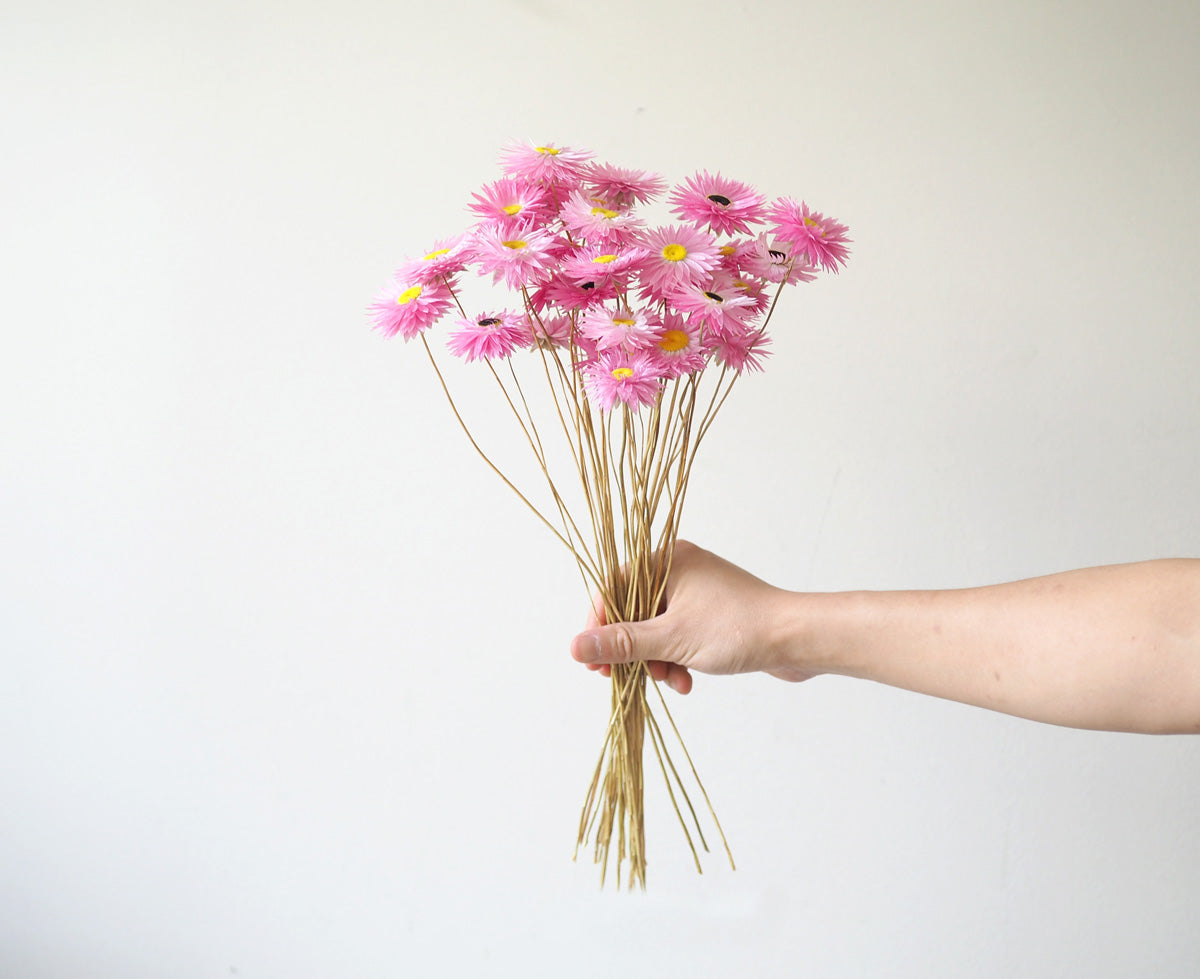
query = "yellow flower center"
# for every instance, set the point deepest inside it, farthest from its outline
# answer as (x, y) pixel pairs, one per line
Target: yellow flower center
(511, 209)
(727, 250)
(408, 295)
(621, 373)
(810, 223)
(547, 150)
(604, 259)
(673, 340)
(674, 253)
(604, 212)
(432, 255)
(516, 245)
(624, 321)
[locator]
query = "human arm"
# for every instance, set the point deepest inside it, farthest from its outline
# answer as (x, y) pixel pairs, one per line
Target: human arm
(1112, 648)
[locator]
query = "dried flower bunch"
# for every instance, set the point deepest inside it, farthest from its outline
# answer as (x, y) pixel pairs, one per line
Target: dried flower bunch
(638, 334)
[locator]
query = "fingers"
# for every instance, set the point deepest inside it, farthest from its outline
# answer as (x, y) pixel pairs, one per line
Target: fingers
(599, 649)
(677, 677)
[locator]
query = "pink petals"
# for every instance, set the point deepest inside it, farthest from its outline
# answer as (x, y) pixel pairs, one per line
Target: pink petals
(630, 309)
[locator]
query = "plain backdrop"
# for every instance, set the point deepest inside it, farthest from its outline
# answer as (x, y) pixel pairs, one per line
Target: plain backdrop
(284, 674)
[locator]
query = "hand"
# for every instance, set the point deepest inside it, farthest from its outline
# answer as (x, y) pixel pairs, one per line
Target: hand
(716, 619)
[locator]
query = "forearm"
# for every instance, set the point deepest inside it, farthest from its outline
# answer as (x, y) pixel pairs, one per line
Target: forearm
(1114, 648)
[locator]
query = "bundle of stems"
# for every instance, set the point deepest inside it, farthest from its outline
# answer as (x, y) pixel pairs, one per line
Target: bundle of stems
(633, 469)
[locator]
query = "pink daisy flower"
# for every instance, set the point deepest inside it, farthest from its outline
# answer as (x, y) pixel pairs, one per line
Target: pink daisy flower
(552, 331)
(823, 240)
(726, 206)
(631, 379)
(676, 255)
(489, 335)
(758, 296)
(775, 261)
(547, 164)
(623, 186)
(447, 257)
(742, 350)
(600, 264)
(595, 220)
(521, 255)
(623, 328)
(568, 294)
(734, 253)
(508, 201)
(677, 350)
(410, 308)
(718, 303)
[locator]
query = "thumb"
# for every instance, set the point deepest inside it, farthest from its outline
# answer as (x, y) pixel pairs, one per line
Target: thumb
(621, 642)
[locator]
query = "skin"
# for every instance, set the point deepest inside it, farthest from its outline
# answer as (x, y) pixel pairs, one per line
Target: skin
(1109, 648)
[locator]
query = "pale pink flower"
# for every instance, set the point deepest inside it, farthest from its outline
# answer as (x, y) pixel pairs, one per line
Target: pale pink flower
(741, 350)
(758, 295)
(623, 186)
(677, 350)
(726, 206)
(621, 328)
(617, 377)
(548, 164)
(598, 263)
(552, 331)
(774, 261)
(511, 201)
(447, 257)
(521, 255)
(597, 221)
(410, 308)
(676, 255)
(718, 303)
(823, 240)
(734, 253)
(489, 335)
(569, 294)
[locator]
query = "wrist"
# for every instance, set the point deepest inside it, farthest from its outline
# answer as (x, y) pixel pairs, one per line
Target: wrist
(809, 633)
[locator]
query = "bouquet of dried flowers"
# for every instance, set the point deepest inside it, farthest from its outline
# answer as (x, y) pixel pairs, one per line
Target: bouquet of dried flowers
(638, 334)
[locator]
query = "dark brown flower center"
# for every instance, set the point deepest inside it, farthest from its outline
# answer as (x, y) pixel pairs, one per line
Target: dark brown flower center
(720, 199)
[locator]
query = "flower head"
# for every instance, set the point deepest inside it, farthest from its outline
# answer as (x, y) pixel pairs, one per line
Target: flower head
(676, 255)
(489, 335)
(822, 240)
(551, 331)
(447, 257)
(718, 303)
(624, 328)
(596, 220)
(677, 350)
(742, 350)
(599, 263)
(615, 376)
(520, 255)
(776, 262)
(510, 201)
(409, 308)
(549, 164)
(623, 186)
(569, 294)
(726, 206)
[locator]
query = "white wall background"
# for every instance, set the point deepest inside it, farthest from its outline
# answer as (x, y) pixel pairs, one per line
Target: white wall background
(285, 690)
